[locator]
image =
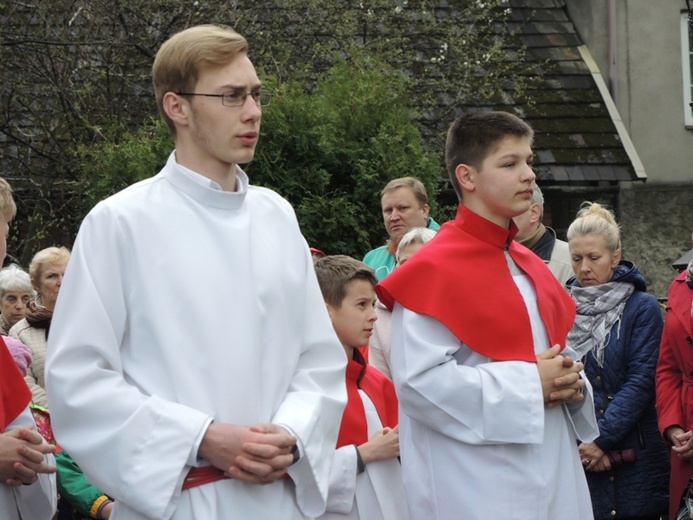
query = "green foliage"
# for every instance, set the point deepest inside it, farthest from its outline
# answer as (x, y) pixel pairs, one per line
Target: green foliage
(331, 151)
(121, 159)
(76, 103)
(454, 53)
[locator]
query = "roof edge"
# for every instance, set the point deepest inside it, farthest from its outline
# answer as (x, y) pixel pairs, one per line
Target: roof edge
(613, 112)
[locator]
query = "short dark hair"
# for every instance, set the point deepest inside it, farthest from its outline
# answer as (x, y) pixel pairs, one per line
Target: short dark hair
(473, 136)
(335, 274)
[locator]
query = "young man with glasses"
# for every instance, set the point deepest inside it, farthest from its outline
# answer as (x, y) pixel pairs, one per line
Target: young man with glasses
(192, 368)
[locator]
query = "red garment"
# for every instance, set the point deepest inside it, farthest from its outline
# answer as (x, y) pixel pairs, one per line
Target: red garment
(674, 379)
(364, 352)
(14, 393)
(378, 388)
(461, 278)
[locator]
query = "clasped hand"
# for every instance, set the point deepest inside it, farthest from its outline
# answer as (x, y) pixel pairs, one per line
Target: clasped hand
(384, 444)
(560, 378)
(681, 442)
(257, 454)
(593, 457)
(23, 456)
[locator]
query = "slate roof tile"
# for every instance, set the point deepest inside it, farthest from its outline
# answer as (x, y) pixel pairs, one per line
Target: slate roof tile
(576, 141)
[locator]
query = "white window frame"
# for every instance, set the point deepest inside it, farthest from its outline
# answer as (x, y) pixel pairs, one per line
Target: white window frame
(686, 53)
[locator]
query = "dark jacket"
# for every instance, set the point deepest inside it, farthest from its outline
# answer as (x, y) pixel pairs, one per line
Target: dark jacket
(624, 399)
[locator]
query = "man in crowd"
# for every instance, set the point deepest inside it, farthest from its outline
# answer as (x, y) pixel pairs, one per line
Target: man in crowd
(542, 239)
(193, 371)
(405, 206)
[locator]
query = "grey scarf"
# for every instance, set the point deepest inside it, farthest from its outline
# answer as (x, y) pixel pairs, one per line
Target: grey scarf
(599, 308)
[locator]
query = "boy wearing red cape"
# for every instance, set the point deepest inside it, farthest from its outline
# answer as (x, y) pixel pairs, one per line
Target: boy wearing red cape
(366, 477)
(491, 402)
(27, 482)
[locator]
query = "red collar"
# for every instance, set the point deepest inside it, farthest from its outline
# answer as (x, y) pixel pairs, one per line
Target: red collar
(679, 301)
(461, 278)
(14, 394)
(380, 390)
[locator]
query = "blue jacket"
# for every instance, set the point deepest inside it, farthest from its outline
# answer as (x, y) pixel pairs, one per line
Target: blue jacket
(624, 397)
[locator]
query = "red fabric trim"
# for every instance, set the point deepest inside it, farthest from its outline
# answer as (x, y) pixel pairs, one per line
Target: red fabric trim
(201, 476)
(363, 350)
(14, 393)
(380, 390)
(674, 386)
(461, 278)
(679, 299)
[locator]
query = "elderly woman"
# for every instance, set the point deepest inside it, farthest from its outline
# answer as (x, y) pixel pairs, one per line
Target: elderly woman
(617, 332)
(674, 384)
(46, 272)
(379, 356)
(16, 293)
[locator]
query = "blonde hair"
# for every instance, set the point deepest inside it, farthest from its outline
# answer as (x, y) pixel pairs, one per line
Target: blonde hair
(8, 208)
(595, 219)
(414, 184)
(182, 57)
(50, 255)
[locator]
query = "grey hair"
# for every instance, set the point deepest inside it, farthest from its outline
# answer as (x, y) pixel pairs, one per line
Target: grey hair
(537, 196)
(14, 278)
(417, 235)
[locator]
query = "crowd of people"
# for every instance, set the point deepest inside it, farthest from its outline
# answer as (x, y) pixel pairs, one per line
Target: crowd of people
(193, 358)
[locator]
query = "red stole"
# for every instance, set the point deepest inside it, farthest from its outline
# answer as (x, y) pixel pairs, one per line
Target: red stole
(461, 278)
(14, 393)
(378, 388)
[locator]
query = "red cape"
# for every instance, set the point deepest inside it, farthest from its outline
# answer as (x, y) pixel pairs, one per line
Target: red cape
(461, 278)
(378, 388)
(14, 393)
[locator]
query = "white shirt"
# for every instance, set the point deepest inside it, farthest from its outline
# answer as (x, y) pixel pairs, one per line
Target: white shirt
(476, 440)
(182, 304)
(375, 494)
(36, 501)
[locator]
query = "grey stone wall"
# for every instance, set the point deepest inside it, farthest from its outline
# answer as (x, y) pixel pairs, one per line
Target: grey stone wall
(656, 223)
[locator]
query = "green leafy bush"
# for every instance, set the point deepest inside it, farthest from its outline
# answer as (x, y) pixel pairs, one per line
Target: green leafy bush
(329, 152)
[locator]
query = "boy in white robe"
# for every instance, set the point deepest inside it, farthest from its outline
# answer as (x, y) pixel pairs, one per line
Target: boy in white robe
(489, 415)
(192, 370)
(366, 477)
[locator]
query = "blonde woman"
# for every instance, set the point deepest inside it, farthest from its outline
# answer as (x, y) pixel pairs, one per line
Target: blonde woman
(46, 272)
(617, 331)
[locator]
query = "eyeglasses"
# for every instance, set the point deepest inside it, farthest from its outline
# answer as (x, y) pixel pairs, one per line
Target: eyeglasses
(238, 98)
